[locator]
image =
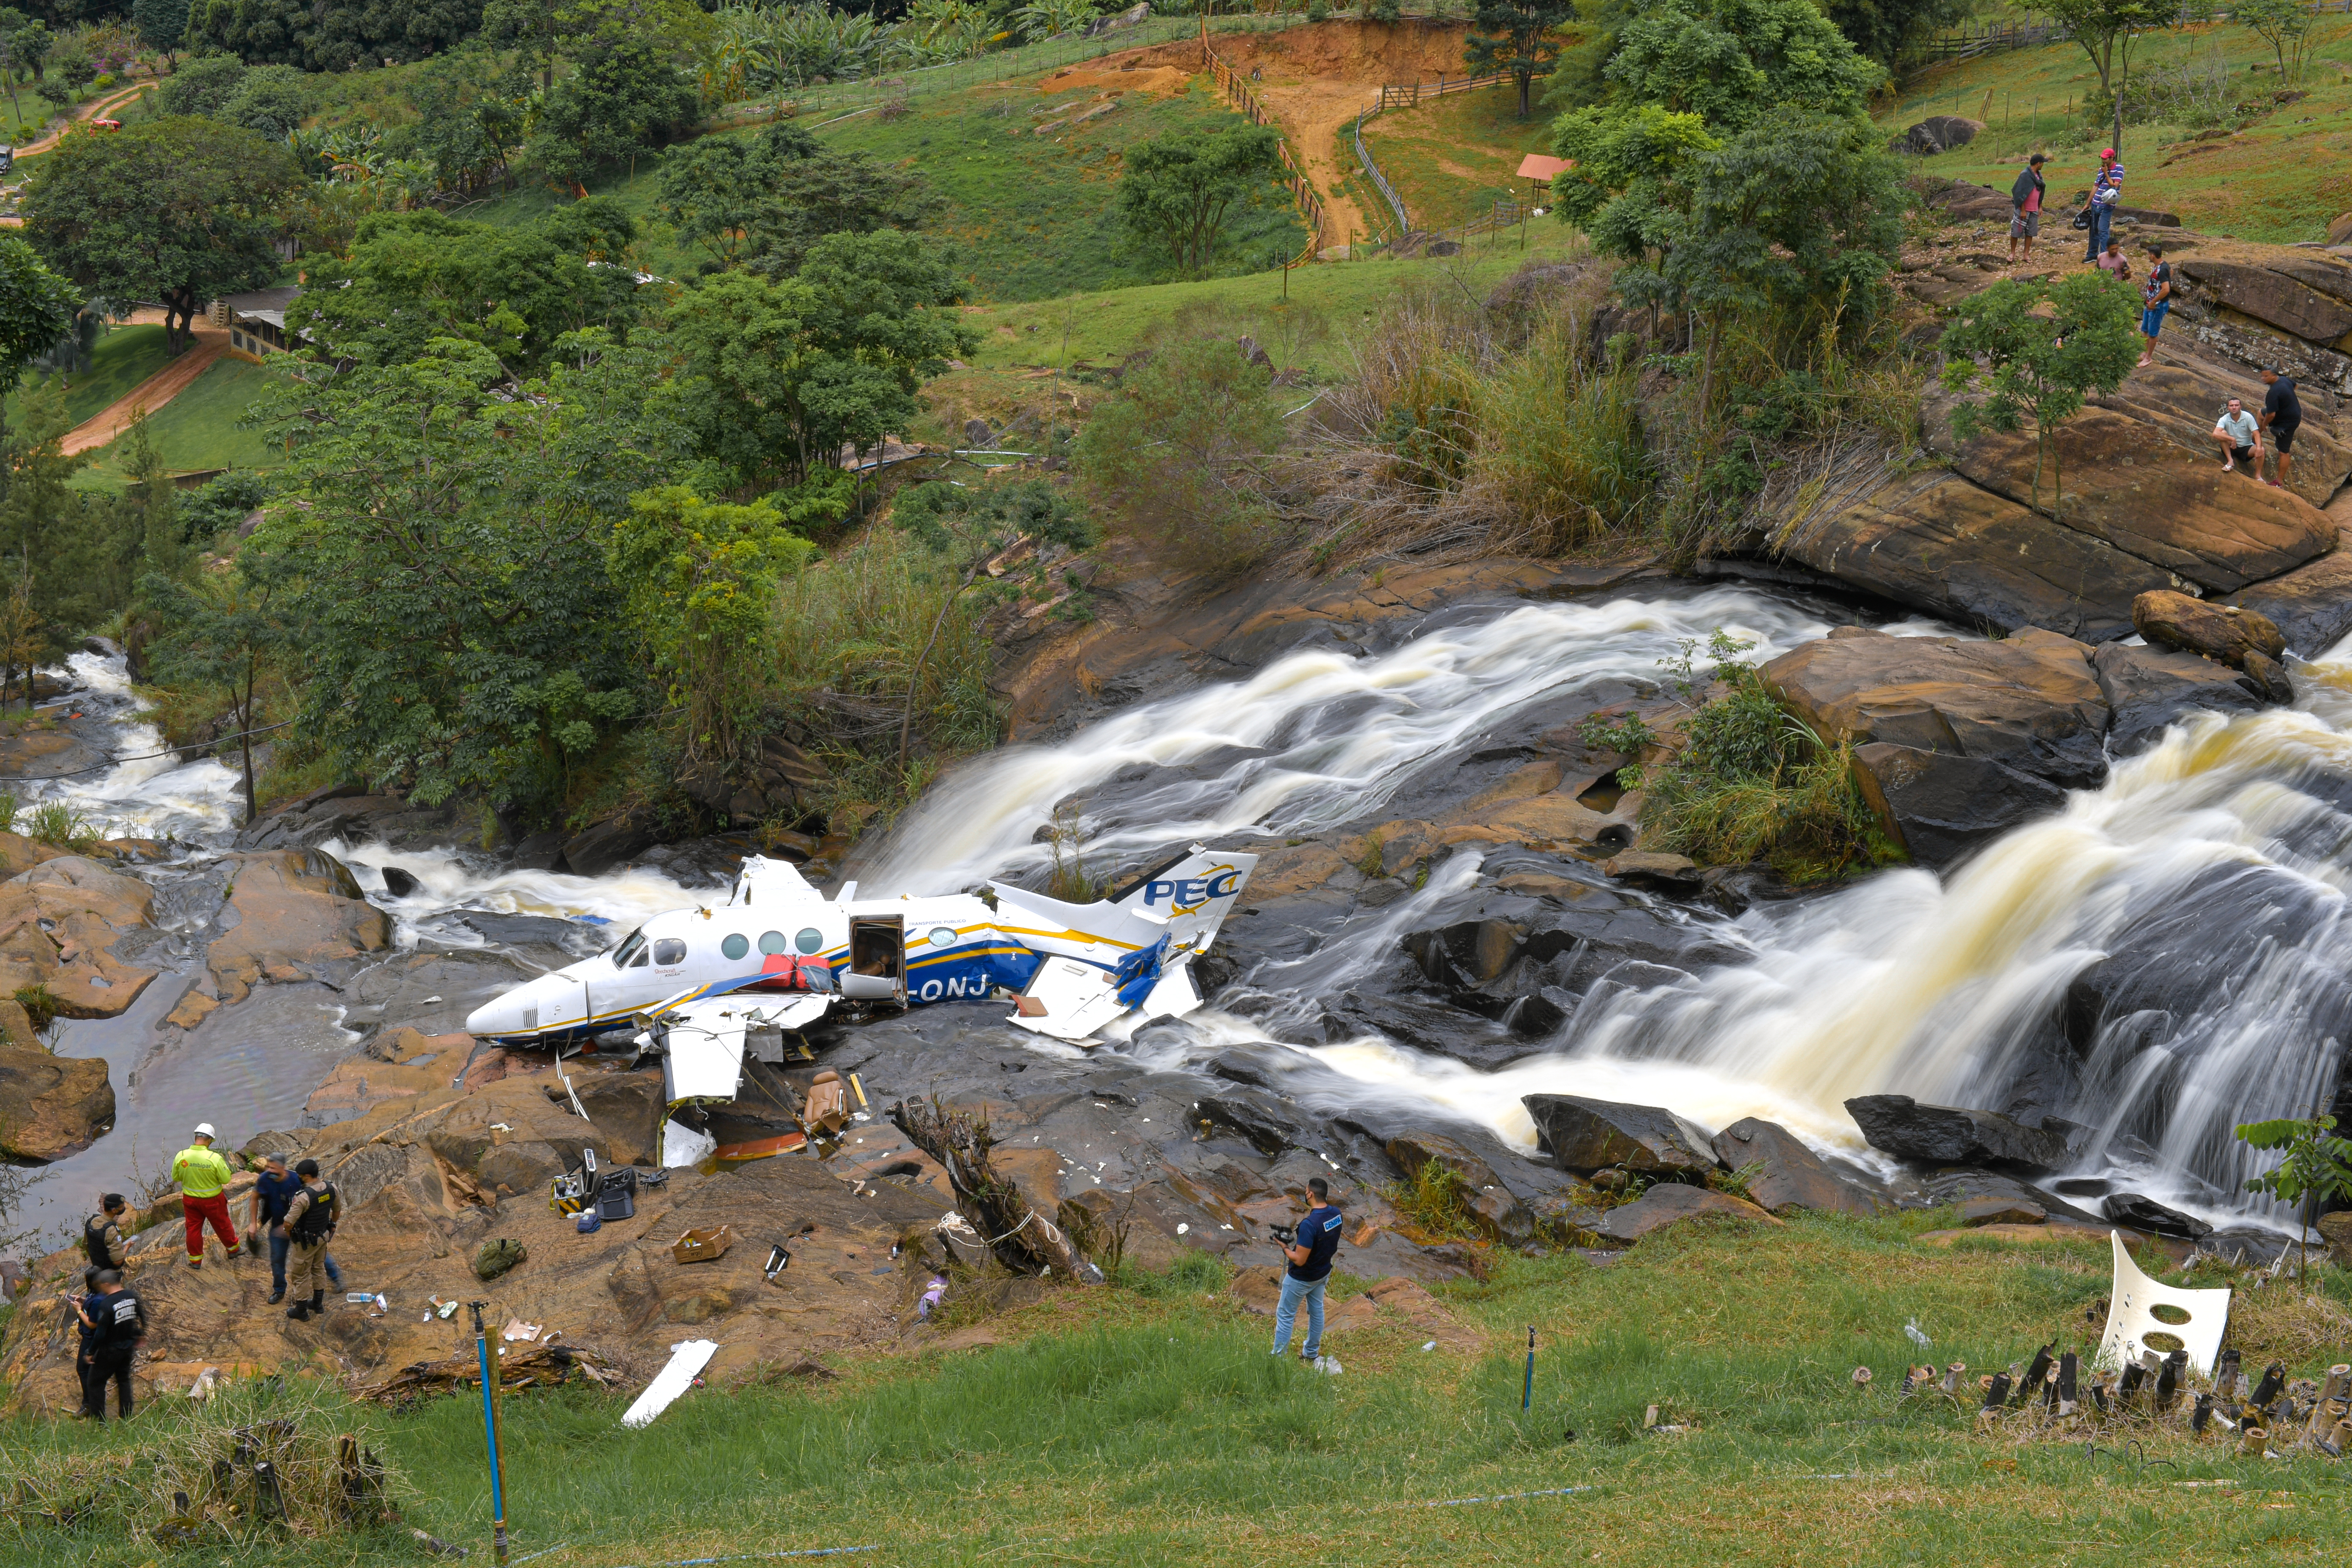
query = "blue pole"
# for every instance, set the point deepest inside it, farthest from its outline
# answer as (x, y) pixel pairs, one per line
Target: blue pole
(490, 1436)
(1528, 1389)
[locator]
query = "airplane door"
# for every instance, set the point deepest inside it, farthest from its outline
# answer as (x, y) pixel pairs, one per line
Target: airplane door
(877, 958)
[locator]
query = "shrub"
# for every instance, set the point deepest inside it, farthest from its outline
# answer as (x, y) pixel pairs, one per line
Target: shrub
(40, 1006)
(57, 822)
(1179, 454)
(7, 813)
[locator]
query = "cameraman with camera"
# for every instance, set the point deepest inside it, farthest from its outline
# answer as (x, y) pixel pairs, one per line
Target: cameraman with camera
(1310, 1248)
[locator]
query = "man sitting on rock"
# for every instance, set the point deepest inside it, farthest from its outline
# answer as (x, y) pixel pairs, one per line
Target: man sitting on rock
(1310, 1253)
(204, 1178)
(2241, 439)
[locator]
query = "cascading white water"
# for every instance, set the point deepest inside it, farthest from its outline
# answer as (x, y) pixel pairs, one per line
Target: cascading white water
(447, 883)
(1313, 739)
(152, 794)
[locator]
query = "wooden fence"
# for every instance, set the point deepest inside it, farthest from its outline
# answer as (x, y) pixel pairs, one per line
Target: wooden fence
(1236, 88)
(1405, 97)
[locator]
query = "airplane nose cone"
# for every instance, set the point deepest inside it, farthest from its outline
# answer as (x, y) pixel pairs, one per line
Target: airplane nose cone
(502, 1016)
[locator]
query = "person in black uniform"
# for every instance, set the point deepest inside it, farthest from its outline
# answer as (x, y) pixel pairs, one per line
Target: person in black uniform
(2282, 417)
(118, 1319)
(102, 1233)
(309, 1225)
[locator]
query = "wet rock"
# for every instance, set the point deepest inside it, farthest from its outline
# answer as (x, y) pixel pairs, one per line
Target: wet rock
(1671, 1204)
(19, 854)
(51, 1107)
(1939, 807)
(2310, 605)
(1965, 1186)
(294, 914)
(603, 846)
(1584, 1135)
(1660, 872)
(2002, 1210)
(1793, 1176)
(2147, 1214)
(30, 753)
(2223, 633)
(626, 1109)
(1948, 1135)
(2151, 690)
(399, 883)
(712, 862)
(2031, 702)
(2267, 678)
(523, 930)
(58, 922)
(1258, 1116)
(539, 851)
(1498, 1214)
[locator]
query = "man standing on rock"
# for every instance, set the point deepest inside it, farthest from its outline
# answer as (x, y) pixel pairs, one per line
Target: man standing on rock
(309, 1223)
(2156, 299)
(1310, 1253)
(101, 1234)
(2241, 439)
(118, 1321)
(2282, 417)
(2025, 209)
(272, 1197)
(204, 1178)
(2105, 192)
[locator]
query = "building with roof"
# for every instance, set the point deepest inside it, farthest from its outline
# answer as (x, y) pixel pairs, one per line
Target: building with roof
(256, 321)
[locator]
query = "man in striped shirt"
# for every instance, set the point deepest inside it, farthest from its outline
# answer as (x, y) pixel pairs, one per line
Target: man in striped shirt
(2105, 192)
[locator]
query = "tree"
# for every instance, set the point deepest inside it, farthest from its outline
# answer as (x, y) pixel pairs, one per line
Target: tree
(715, 189)
(2106, 30)
(1178, 451)
(699, 579)
(544, 30)
(777, 377)
(178, 210)
(1733, 61)
(330, 35)
(2284, 25)
(270, 103)
(204, 85)
(625, 101)
(968, 527)
(1521, 37)
(1042, 19)
(2044, 347)
(36, 308)
(1176, 190)
(162, 25)
(226, 629)
(1888, 31)
(2317, 1168)
(461, 632)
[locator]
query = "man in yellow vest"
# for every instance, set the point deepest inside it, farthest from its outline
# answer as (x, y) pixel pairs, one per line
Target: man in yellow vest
(204, 1176)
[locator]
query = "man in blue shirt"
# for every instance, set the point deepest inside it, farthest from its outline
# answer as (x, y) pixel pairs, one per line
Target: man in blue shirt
(271, 1194)
(2105, 191)
(1310, 1253)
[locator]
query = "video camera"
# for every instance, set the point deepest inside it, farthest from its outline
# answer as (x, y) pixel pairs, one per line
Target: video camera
(1285, 1234)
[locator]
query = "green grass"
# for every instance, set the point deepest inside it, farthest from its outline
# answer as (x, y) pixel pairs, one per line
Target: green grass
(123, 358)
(198, 429)
(2283, 181)
(1451, 159)
(1150, 1426)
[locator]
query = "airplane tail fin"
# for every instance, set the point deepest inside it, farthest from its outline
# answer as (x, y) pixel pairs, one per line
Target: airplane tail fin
(1190, 895)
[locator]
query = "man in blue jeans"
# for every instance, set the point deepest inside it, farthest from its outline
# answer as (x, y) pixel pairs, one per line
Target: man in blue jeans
(271, 1194)
(1310, 1253)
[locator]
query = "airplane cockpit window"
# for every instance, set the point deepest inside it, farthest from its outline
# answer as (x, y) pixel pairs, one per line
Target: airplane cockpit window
(670, 950)
(630, 951)
(736, 944)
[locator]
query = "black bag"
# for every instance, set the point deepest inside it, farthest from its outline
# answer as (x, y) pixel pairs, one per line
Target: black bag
(2082, 220)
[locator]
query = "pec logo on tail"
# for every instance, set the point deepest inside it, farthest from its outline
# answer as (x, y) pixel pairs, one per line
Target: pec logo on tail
(1188, 894)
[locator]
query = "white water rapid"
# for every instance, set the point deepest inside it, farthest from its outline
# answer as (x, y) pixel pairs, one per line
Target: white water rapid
(145, 791)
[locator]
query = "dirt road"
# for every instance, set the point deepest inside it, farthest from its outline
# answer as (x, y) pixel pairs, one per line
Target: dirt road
(97, 108)
(150, 394)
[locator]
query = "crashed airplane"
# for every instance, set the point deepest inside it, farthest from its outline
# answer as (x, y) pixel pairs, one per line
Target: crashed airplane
(708, 985)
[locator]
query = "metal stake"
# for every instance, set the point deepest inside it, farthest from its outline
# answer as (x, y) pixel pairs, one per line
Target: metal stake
(1527, 1388)
(490, 1434)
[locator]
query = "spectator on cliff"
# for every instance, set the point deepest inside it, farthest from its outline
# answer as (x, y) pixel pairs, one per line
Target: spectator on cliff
(2112, 260)
(2156, 299)
(2105, 191)
(2282, 417)
(2241, 439)
(2025, 199)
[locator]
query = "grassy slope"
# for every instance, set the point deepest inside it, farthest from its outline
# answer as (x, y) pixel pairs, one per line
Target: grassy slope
(1452, 159)
(198, 428)
(123, 358)
(1150, 1426)
(2284, 181)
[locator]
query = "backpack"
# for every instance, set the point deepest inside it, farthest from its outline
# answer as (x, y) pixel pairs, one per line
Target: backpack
(494, 1257)
(318, 1221)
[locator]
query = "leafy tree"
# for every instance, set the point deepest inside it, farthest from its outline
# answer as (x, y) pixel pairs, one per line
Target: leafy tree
(1052, 18)
(461, 630)
(270, 101)
(836, 192)
(203, 86)
(1731, 62)
(330, 35)
(74, 551)
(715, 190)
(699, 579)
(1177, 453)
(544, 29)
(28, 48)
(1175, 191)
(2045, 347)
(415, 277)
(2106, 30)
(1521, 37)
(777, 377)
(162, 25)
(37, 307)
(177, 210)
(1888, 31)
(625, 101)
(2285, 25)
(226, 629)
(968, 527)
(75, 67)
(2317, 1168)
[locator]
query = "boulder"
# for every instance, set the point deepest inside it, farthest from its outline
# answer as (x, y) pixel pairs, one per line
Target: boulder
(1672, 1203)
(51, 1107)
(539, 851)
(2310, 605)
(2340, 230)
(2145, 489)
(19, 854)
(2274, 298)
(1499, 1215)
(1937, 808)
(1584, 1135)
(2031, 702)
(1793, 1176)
(1939, 544)
(2150, 690)
(2335, 1229)
(2224, 633)
(601, 846)
(58, 922)
(1948, 1135)
(2002, 1211)
(2147, 1214)
(1939, 133)
(292, 914)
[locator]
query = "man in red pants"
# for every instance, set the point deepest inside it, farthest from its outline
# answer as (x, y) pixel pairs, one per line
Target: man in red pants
(204, 1179)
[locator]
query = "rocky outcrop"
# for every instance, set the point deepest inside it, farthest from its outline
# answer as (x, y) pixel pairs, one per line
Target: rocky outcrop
(603, 846)
(1939, 134)
(1937, 808)
(2151, 689)
(1587, 1135)
(292, 914)
(1494, 1208)
(2310, 605)
(1671, 1203)
(2147, 1214)
(51, 1107)
(2224, 633)
(350, 814)
(1792, 1177)
(785, 786)
(58, 922)
(1948, 1135)
(19, 854)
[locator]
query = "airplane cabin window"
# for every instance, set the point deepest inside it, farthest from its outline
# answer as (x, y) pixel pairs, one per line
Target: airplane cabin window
(736, 945)
(631, 950)
(809, 940)
(670, 950)
(941, 936)
(773, 941)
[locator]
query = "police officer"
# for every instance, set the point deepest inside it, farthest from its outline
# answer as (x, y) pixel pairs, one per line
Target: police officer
(118, 1319)
(309, 1223)
(102, 1233)
(272, 1195)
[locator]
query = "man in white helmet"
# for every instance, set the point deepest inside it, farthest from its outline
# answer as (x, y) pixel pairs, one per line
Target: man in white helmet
(203, 1177)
